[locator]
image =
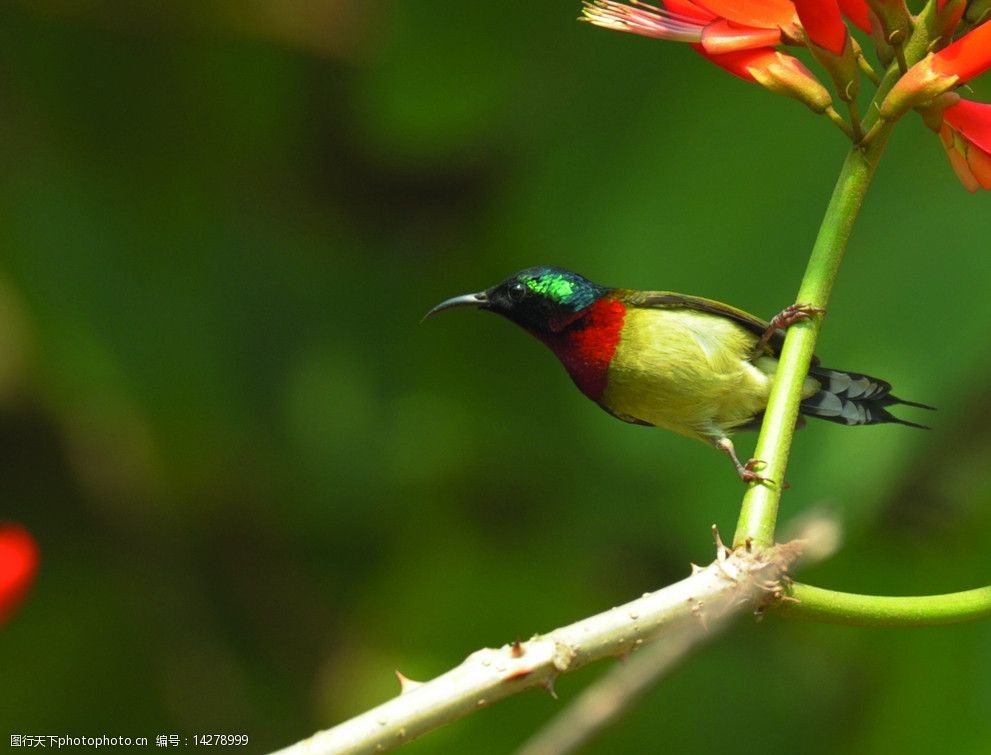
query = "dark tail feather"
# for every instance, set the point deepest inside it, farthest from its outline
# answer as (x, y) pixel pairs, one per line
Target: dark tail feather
(911, 403)
(850, 398)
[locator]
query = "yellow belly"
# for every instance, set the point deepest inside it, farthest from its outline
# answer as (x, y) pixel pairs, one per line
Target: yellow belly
(689, 372)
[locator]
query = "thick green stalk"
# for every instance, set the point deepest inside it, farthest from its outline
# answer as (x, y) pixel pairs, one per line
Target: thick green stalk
(759, 511)
(760, 503)
(882, 611)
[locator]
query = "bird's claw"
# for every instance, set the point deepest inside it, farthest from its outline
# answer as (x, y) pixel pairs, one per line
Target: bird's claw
(794, 313)
(785, 319)
(749, 474)
(748, 471)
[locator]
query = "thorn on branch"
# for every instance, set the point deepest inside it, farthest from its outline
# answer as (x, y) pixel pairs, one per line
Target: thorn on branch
(721, 550)
(406, 684)
(548, 685)
(698, 611)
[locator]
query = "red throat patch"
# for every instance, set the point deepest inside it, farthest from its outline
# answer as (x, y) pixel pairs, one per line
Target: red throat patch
(587, 345)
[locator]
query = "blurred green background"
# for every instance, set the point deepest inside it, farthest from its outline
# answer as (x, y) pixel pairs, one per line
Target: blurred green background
(260, 486)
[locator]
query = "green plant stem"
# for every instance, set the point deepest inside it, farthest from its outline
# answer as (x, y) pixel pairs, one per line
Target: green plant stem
(855, 123)
(882, 611)
(866, 68)
(845, 127)
(759, 512)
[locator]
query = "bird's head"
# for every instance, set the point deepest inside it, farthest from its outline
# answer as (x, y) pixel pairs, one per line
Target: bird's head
(542, 300)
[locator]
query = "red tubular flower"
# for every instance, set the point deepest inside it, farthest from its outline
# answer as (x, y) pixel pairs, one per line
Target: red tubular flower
(966, 135)
(823, 24)
(18, 564)
(735, 35)
(966, 58)
(715, 29)
(755, 13)
(858, 13)
(940, 72)
(742, 63)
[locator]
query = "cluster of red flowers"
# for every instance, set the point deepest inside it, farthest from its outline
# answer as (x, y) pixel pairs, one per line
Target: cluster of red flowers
(18, 564)
(742, 36)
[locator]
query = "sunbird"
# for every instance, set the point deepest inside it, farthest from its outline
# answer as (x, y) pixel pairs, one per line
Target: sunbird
(695, 366)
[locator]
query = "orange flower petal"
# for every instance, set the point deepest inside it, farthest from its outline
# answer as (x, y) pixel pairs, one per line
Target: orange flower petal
(980, 165)
(757, 13)
(688, 9)
(973, 120)
(857, 12)
(823, 23)
(962, 170)
(968, 57)
(946, 136)
(739, 62)
(720, 36)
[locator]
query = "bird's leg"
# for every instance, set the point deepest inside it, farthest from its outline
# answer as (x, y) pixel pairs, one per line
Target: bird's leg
(784, 319)
(746, 471)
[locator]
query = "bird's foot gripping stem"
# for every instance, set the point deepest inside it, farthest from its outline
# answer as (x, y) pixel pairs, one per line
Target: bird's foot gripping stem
(785, 319)
(747, 471)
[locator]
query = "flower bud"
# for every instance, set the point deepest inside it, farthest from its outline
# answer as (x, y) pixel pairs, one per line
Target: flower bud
(893, 18)
(829, 42)
(783, 74)
(932, 115)
(920, 84)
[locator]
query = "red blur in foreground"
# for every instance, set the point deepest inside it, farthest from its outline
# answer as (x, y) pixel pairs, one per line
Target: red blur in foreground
(18, 565)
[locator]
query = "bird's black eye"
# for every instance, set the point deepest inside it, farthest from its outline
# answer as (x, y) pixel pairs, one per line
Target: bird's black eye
(517, 291)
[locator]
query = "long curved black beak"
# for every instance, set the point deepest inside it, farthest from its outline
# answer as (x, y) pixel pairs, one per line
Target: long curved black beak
(478, 301)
